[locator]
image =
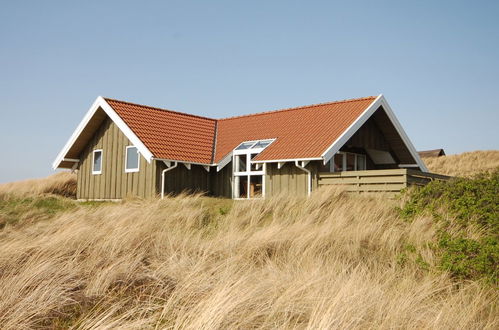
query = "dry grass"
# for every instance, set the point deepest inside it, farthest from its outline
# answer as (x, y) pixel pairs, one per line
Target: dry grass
(330, 261)
(325, 262)
(465, 164)
(63, 183)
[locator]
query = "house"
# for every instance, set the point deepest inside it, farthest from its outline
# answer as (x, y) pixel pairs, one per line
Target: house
(431, 153)
(122, 149)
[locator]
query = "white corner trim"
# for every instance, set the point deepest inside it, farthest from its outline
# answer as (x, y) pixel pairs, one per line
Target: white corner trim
(101, 102)
(280, 165)
(187, 165)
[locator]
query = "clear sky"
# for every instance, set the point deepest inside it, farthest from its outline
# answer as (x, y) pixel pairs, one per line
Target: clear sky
(436, 62)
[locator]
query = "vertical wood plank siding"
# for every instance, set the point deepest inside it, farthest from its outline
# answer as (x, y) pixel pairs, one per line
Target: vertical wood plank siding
(289, 179)
(221, 182)
(181, 179)
(113, 183)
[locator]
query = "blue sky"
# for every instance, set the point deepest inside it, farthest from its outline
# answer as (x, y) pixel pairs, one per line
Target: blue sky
(436, 62)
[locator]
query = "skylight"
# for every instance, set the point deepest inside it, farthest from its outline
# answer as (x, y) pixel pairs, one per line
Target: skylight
(258, 144)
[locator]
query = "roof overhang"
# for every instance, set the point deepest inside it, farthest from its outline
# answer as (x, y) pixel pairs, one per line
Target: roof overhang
(99, 103)
(379, 102)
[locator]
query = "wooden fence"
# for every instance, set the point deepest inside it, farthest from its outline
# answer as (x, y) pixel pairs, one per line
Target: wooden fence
(379, 180)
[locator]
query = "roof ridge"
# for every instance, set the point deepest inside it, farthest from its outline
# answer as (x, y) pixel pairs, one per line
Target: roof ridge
(161, 109)
(300, 107)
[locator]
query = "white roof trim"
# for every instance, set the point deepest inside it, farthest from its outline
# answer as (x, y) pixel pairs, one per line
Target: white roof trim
(403, 135)
(285, 160)
(226, 160)
(100, 102)
(347, 134)
(183, 161)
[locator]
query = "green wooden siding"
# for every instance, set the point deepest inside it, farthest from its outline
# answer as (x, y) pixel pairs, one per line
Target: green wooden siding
(221, 182)
(181, 179)
(289, 179)
(113, 183)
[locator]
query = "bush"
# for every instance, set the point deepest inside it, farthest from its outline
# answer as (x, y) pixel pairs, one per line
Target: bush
(467, 213)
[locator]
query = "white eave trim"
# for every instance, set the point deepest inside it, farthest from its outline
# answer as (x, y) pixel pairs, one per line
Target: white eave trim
(226, 160)
(100, 102)
(380, 101)
(286, 160)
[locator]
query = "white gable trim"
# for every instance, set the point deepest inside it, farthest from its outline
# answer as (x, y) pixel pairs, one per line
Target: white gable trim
(226, 160)
(101, 102)
(350, 131)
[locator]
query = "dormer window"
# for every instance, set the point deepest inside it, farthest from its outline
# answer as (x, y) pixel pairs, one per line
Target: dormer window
(248, 176)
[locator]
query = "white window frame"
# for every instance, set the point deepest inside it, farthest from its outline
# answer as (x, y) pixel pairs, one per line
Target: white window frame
(344, 161)
(248, 172)
(93, 161)
(132, 170)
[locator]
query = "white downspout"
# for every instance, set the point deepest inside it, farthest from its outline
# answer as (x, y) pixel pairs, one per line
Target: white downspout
(163, 178)
(309, 177)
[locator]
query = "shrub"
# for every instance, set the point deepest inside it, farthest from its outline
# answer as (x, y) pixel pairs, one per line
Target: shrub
(467, 214)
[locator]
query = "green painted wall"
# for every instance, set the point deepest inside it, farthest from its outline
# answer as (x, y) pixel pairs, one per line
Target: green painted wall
(113, 183)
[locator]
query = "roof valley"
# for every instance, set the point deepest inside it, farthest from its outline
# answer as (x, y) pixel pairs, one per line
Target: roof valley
(214, 149)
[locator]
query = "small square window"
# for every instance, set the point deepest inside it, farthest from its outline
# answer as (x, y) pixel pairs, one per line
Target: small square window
(97, 162)
(132, 159)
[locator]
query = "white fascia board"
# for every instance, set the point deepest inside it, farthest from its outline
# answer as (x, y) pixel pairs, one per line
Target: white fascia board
(379, 101)
(75, 134)
(286, 160)
(125, 129)
(347, 134)
(101, 102)
(402, 134)
(182, 161)
(226, 160)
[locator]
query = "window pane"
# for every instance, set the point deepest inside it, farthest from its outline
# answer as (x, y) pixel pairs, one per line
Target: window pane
(326, 167)
(245, 145)
(255, 188)
(338, 162)
(361, 162)
(132, 158)
(97, 161)
(255, 167)
(350, 162)
(262, 144)
(242, 184)
(241, 163)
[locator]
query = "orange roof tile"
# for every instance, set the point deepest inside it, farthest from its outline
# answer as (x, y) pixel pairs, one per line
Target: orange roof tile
(303, 132)
(169, 134)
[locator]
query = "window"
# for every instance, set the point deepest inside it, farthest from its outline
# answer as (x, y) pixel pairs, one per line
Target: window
(97, 162)
(248, 176)
(132, 159)
(346, 161)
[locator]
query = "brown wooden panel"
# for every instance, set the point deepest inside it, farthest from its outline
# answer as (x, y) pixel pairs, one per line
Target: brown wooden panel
(113, 182)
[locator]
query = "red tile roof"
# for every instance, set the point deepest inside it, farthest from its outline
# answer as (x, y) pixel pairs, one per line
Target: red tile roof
(169, 134)
(303, 132)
